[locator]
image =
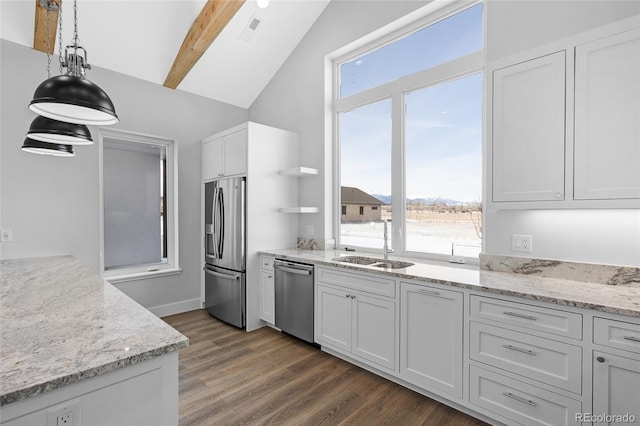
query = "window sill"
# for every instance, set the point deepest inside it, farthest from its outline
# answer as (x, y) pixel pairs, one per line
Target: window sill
(116, 279)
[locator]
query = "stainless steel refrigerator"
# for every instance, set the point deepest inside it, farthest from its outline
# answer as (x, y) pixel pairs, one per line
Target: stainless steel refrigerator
(224, 261)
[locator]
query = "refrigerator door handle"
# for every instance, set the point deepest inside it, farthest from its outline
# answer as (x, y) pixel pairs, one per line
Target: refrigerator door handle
(214, 227)
(220, 223)
(219, 275)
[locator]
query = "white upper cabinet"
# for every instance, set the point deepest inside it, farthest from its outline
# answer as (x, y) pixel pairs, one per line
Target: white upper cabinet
(225, 156)
(564, 123)
(529, 130)
(607, 118)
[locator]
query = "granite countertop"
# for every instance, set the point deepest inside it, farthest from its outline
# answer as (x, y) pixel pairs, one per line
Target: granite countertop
(60, 323)
(621, 299)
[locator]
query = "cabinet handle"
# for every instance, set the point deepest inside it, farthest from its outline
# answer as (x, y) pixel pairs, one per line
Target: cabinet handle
(632, 338)
(429, 292)
(353, 296)
(347, 295)
(517, 315)
(600, 359)
(517, 349)
(269, 276)
(519, 399)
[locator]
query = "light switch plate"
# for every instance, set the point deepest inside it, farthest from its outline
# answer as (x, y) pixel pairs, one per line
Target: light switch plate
(6, 235)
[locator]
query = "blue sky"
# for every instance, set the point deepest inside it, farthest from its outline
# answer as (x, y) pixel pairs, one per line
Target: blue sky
(443, 129)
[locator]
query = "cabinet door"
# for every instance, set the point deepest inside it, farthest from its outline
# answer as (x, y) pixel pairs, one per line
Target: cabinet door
(333, 317)
(607, 118)
(267, 297)
(212, 159)
(374, 330)
(528, 143)
(431, 324)
(235, 153)
(615, 386)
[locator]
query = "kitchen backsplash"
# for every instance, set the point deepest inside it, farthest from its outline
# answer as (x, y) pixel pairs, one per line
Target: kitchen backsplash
(603, 274)
(309, 244)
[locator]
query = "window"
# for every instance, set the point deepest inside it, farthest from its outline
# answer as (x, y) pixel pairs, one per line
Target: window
(344, 210)
(409, 135)
(361, 210)
(139, 214)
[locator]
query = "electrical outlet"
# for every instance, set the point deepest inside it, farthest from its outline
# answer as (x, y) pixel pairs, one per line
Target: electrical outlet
(65, 419)
(66, 414)
(310, 230)
(6, 235)
(522, 243)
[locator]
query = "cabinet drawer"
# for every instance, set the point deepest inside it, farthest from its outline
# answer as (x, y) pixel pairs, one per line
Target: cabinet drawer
(555, 363)
(520, 402)
(616, 334)
(363, 282)
(548, 320)
(266, 263)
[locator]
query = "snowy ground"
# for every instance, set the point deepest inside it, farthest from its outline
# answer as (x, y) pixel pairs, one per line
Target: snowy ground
(422, 236)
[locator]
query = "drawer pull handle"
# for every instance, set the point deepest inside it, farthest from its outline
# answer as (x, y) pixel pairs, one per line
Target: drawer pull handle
(429, 292)
(517, 315)
(519, 399)
(517, 349)
(632, 338)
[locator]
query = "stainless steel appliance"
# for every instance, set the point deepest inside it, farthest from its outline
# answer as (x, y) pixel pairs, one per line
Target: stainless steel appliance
(224, 261)
(294, 298)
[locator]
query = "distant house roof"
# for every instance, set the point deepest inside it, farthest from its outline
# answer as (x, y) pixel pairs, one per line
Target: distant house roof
(350, 195)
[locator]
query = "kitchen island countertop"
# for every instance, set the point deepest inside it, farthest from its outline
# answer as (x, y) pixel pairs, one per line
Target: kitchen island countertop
(60, 324)
(623, 299)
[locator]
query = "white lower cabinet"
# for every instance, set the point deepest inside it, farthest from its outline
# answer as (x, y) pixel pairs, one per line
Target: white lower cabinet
(267, 290)
(616, 387)
(431, 325)
(616, 372)
(520, 402)
(358, 324)
(508, 360)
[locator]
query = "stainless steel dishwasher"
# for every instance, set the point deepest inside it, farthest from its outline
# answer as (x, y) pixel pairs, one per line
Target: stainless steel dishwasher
(294, 298)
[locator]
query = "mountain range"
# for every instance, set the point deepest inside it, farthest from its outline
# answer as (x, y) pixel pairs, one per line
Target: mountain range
(426, 201)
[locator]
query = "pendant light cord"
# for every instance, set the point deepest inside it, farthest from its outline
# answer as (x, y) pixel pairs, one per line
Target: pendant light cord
(48, 40)
(60, 54)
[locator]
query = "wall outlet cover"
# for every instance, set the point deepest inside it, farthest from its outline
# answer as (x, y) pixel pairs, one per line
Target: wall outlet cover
(522, 243)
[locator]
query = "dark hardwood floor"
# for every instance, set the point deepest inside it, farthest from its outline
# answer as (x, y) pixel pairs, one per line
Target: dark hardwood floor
(231, 377)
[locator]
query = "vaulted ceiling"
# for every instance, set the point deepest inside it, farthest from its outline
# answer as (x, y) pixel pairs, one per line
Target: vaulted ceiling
(227, 50)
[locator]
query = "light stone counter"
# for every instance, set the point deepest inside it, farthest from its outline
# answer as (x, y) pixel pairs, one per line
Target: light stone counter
(61, 324)
(621, 299)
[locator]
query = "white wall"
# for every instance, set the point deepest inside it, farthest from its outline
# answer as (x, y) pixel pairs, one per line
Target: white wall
(52, 204)
(512, 26)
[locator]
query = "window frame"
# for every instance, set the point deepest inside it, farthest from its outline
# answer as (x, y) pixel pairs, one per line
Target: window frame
(396, 91)
(172, 266)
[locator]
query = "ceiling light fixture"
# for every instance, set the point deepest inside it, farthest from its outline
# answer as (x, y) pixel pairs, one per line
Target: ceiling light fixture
(47, 148)
(71, 97)
(262, 3)
(48, 130)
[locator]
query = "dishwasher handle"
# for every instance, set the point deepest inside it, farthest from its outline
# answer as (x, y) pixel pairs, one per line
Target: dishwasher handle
(294, 269)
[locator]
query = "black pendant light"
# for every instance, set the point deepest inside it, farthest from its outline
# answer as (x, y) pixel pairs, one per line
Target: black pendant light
(71, 97)
(47, 148)
(47, 130)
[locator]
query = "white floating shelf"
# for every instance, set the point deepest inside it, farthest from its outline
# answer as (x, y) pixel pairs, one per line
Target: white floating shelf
(300, 210)
(300, 171)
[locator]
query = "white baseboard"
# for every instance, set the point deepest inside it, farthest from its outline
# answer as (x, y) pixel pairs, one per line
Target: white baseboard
(176, 308)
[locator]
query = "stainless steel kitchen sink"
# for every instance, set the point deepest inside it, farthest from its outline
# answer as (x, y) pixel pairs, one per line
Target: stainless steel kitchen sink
(393, 264)
(372, 261)
(359, 260)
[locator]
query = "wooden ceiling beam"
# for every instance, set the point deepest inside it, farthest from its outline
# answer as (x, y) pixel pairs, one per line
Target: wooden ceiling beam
(213, 17)
(40, 37)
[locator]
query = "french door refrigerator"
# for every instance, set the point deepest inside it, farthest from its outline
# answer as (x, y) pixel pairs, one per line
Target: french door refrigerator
(224, 261)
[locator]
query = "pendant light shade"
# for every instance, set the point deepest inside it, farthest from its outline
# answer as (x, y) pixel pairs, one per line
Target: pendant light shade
(46, 148)
(47, 130)
(73, 99)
